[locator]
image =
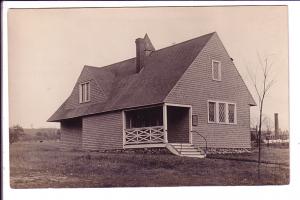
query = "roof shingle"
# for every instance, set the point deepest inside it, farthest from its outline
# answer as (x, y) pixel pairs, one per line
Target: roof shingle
(127, 89)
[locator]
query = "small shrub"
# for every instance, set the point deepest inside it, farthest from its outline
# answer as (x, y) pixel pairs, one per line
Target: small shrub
(39, 134)
(14, 133)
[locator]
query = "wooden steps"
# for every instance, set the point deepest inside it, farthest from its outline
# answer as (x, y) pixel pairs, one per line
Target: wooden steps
(186, 149)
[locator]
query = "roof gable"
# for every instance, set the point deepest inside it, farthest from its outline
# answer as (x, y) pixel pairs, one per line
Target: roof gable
(125, 88)
(197, 82)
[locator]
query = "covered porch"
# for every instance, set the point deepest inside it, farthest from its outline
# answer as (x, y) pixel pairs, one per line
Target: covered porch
(156, 126)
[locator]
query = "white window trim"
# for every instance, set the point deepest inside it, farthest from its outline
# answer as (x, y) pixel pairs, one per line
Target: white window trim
(217, 113)
(88, 99)
(219, 70)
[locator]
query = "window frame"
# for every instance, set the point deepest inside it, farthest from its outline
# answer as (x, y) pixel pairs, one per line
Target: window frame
(217, 119)
(225, 112)
(234, 114)
(219, 70)
(84, 92)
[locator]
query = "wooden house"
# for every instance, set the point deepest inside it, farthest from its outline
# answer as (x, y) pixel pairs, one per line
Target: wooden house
(181, 97)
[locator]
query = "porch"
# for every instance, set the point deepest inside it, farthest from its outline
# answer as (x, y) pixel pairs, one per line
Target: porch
(156, 126)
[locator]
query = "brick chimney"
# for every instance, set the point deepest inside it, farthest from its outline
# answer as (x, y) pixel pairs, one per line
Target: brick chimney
(140, 54)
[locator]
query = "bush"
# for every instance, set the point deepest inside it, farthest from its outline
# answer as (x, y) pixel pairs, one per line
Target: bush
(39, 134)
(14, 133)
(46, 134)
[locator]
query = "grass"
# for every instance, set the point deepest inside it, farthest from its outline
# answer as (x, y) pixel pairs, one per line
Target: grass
(43, 165)
(273, 154)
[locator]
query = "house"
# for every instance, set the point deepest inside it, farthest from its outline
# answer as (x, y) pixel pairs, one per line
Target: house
(181, 97)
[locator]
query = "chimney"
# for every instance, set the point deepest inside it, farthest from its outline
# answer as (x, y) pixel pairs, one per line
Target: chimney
(144, 48)
(140, 54)
(276, 125)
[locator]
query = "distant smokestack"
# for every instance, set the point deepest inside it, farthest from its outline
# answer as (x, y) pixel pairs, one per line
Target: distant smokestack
(276, 125)
(140, 54)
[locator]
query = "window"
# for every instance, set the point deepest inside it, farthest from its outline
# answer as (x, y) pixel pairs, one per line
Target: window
(212, 111)
(221, 112)
(216, 70)
(231, 113)
(84, 92)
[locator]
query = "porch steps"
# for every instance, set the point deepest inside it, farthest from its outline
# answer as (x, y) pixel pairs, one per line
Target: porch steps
(186, 149)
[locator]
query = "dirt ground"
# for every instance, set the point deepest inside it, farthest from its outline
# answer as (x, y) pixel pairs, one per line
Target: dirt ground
(44, 165)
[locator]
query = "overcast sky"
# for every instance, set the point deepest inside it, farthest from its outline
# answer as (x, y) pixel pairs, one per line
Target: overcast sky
(49, 47)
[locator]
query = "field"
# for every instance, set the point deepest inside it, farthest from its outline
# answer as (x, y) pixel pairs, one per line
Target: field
(35, 164)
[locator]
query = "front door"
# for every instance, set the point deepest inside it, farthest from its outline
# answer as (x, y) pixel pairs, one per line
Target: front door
(178, 119)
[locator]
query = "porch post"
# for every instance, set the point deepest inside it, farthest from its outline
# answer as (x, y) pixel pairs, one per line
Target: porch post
(165, 123)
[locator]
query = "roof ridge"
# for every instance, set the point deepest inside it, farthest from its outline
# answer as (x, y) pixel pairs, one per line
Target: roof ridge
(106, 66)
(185, 41)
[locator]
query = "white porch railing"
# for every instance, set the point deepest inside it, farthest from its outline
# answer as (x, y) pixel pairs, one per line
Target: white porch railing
(144, 135)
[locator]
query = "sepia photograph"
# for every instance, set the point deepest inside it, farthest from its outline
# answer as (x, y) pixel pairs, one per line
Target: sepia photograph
(148, 96)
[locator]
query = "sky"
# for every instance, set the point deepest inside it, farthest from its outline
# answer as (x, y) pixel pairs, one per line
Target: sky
(47, 49)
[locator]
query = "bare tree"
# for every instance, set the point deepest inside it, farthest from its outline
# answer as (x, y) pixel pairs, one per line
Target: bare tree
(262, 88)
(267, 123)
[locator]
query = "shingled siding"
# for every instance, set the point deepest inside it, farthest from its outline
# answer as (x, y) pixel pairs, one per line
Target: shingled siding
(196, 87)
(178, 124)
(71, 134)
(96, 93)
(103, 132)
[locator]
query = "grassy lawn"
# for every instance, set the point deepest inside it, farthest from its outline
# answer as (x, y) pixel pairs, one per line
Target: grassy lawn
(273, 154)
(43, 165)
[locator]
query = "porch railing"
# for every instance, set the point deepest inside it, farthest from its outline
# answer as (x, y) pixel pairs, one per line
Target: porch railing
(144, 135)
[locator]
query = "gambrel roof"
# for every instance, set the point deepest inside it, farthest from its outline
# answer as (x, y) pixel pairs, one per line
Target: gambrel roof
(124, 88)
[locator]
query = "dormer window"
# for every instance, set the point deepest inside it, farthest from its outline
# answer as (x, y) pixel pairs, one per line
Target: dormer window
(216, 70)
(84, 92)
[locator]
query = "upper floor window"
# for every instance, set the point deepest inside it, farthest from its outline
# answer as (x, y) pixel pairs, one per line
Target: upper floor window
(221, 112)
(216, 70)
(84, 92)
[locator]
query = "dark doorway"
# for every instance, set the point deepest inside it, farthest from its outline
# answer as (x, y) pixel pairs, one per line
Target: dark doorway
(178, 124)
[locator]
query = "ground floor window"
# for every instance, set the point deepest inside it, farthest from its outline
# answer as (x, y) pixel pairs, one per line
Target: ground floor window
(231, 113)
(221, 112)
(212, 111)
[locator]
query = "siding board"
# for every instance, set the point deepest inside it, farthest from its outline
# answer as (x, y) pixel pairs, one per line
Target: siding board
(103, 132)
(196, 87)
(71, 134)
